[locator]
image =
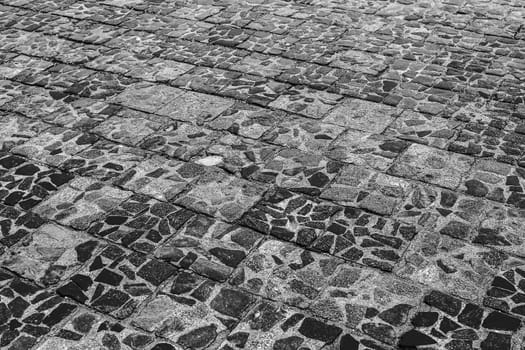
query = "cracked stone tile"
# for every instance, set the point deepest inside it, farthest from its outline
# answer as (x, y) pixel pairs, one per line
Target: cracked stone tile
(50, 254)
(495, 181)
(81, 202)
(238, 155)
(264, 65)
(310, 74)
(24, 65)
(141, 223)
(290, 216)
(16, 130)
(298, 171)
(423, 129)
(368, 239)
(441, 210)
(89, 330)
(196, 12)
(304, 134)
(247, 120)
(501, 228)
(104, 160)
(204, 79)
(268, 43)
(274, 24)
(10, 90)
(432, 165)
(101, 85)
(55, 145)
(116, 281)
(182, 141)
(209, 247)
(194, 312)
(111, 15)
(28, 312)
(286, 273)
(148, 22)
(362, 115)
(60, 77)
(238, 14)
(84, 31)
(505, 292)
(253, 89)
(160, 177)
(307, 102)
(24, 184)
(147, 97)
(37, 103)
(79, 53)
(453, 266)
(195, 107)
(360, 61)
(159, 70)
(117, 61)
(130, 127)
(365, 149)
(219, 194)
(377, 304)
(139, 42)
(273, 326)
(226, 35)
(368, 189)
(201, 54)
(311, 51)
(448, 322)
(16, 224)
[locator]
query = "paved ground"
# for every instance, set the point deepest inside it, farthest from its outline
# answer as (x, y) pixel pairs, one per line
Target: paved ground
(262, 175)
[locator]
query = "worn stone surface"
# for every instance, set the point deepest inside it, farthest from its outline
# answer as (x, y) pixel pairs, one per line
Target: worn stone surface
(262, 175)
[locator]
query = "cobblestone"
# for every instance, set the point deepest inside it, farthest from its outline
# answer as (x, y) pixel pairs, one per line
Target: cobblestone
(262, 175)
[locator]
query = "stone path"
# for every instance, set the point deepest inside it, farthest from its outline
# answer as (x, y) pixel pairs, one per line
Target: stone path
(262, 174)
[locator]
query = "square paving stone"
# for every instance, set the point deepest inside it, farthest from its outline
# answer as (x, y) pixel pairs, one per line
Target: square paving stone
(59, 77)
(362, 115)
(446, 321)
(116, 281)
(368, 239)
(37, 102)
(50, 254)
(298, 171)
(254, 89)
(274, 24)
(505, 292)
(421, 128)
(290, 216)
(374, 303)
(204, 79)
(24, 184)
(349, 338)
(141, 223)
(81, 202)
(145, 43)
(501, 228)
(101, 85)
(303, 133)
(209, 247)
(238, 155)
(307, 102)
(266, 42)
(16, 224)
(247, 120)
(272, 326)
(286, 273)
(368, 189)
(55, 145)
(104, 160)
(194, 107)
(147, 97)
(441, 210)
(160, 177)
(496, 181)
(28, 312)
(23, 64)
(310, 74)
(222, 195)
(432, 165)
(130, 126)
(193, 311)
(264, 65)
(15, 130)
(364, 149)
(89, 330)
(180, 140)
(158, 70)
(451, 265)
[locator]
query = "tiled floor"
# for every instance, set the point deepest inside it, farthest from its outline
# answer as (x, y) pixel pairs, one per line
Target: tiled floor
(262, 174)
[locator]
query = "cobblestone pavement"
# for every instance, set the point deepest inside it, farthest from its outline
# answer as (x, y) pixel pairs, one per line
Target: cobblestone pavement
(262, 174)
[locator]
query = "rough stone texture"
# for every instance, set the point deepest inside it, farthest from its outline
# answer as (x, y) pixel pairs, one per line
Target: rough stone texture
(262, 175)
